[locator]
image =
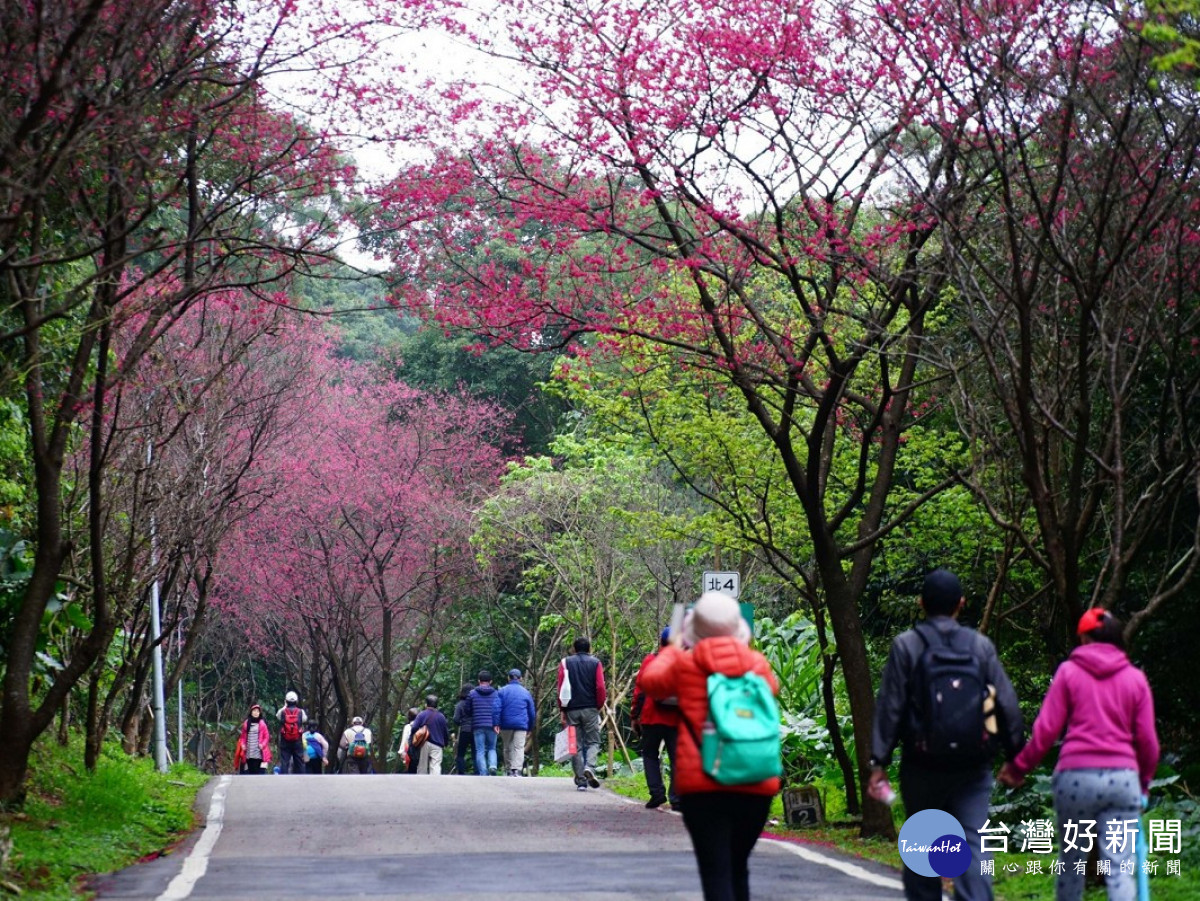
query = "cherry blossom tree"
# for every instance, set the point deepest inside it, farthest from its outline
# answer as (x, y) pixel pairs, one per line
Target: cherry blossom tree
(723, 180)
(182, 464)
(778, 194)
(367, 551)
(1076, 277)
(145, 163)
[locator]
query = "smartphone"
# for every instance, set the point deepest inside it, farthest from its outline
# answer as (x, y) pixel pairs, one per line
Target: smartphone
(676, 624)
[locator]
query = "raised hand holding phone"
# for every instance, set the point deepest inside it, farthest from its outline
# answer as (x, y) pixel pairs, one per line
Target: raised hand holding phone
(675, 635)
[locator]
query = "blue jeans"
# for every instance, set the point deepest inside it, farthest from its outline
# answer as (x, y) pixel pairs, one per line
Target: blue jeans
(485, 751)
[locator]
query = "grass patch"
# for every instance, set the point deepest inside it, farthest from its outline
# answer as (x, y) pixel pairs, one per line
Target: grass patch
(77, 823)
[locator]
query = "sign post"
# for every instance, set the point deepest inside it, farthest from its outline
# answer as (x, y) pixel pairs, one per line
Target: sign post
(729, 583)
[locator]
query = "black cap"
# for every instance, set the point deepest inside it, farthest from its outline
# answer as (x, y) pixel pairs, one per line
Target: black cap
(941, 592)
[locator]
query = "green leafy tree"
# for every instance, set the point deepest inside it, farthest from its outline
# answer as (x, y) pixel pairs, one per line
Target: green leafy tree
(584, 542)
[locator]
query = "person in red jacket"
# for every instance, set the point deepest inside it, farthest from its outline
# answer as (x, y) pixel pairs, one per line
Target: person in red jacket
(657, 723)
(724, 821)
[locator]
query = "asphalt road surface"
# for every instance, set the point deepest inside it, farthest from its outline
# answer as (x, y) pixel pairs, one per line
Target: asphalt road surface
(459, 837)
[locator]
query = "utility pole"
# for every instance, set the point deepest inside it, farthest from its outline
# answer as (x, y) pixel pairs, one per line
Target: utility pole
(159, 701)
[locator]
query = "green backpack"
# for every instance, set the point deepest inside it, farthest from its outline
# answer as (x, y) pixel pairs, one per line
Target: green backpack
(741, 744)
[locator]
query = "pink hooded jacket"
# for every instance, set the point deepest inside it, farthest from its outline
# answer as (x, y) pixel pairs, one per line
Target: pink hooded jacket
(264, 740)
(1103, 702)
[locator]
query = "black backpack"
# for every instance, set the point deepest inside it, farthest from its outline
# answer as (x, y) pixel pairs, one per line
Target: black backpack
(947, 700)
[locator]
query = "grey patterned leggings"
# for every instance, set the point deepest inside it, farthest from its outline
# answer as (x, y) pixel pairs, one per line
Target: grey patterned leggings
(1113, 799)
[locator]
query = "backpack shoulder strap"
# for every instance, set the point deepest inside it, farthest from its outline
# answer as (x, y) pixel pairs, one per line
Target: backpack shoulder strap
(947, 638)
(922, 634)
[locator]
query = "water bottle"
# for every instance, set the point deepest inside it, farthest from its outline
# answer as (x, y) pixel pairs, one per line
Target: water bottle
(882, 791)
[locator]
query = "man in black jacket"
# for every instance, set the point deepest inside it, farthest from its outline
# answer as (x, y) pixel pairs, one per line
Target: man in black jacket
(581, 694)
(958, 781)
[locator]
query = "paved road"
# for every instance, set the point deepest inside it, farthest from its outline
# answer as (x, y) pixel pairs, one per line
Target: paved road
(405, 837)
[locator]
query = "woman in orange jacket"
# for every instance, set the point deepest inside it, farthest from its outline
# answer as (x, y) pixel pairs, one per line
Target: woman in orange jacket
(724, 821)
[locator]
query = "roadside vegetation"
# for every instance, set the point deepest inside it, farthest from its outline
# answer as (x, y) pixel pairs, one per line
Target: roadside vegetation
(78, 823)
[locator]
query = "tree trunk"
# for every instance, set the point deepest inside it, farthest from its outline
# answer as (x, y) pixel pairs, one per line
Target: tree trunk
(829, 661)
(847, 630)
(385, 684)
(64, 721)
(94, 736)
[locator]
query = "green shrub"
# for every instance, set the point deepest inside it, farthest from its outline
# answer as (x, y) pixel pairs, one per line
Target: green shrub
(77, 823)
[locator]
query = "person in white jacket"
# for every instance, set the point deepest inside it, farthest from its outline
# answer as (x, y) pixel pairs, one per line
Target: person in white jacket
(354, 750)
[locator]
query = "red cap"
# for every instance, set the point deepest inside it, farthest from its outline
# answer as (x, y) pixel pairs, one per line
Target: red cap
(1091, 620)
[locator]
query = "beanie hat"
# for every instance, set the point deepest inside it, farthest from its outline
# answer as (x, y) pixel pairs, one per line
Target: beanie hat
(715, 614)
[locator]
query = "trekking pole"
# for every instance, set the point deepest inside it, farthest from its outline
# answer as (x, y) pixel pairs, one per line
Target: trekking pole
(1143, 851)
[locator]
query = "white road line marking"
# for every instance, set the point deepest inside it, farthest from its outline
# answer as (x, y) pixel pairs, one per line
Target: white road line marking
(849, 869)
(197, 861)
(817, 857)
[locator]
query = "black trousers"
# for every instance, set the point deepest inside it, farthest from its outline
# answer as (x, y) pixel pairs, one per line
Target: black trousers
(964, 795)
(291, 756)
(724, 827)
(654, 738)
(464, 752)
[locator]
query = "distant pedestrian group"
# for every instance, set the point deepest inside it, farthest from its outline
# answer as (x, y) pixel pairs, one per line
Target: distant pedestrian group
(303, 748)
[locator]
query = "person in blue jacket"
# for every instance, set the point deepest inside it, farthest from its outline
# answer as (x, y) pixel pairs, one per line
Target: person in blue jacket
(518, 717)
(485, 723)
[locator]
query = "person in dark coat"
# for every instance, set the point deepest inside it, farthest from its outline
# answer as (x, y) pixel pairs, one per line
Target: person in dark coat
(963, 788)
(464, 748)
(582, 694)
(656, 722)
(429, 752)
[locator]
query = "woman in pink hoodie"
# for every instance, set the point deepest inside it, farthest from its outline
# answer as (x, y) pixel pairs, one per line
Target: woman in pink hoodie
(1100, 704)
(253, 755)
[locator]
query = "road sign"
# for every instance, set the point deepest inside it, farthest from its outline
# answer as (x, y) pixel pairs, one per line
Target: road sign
(729, 583)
